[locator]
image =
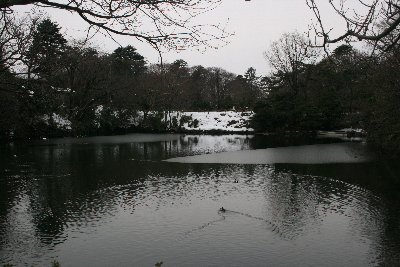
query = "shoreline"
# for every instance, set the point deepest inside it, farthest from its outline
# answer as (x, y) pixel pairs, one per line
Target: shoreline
(352, 136)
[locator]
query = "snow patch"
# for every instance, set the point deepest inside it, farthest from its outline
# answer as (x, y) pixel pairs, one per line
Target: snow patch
(59, 121)
(230, 121)
(227, 121)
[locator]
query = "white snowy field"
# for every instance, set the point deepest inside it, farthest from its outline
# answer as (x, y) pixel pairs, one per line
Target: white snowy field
(58, 120)
(226, 121)
(207, 121)
(229, 121)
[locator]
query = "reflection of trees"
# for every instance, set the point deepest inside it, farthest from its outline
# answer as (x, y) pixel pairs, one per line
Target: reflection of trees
(196, 145)
(367, 193)
(13, 188)
(389, 246)
(269, 141)
(76, 186)
(8, 197)
(294, 202)
(8, 192)
(68, 186)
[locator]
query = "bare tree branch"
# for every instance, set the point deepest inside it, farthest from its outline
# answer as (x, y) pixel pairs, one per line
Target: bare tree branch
(15, 38)
(290, 55)
(366, 20)
(162, 23)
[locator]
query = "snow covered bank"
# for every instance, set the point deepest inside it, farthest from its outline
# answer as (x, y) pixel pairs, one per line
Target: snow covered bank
(208, 121)
(190, 122)
(163, 121)
(227, 121)
(59, 121)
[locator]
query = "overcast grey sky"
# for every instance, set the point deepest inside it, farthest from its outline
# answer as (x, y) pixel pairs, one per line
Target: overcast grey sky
(255, 23)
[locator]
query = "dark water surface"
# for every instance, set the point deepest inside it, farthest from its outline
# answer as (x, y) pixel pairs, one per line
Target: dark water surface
(115, 201)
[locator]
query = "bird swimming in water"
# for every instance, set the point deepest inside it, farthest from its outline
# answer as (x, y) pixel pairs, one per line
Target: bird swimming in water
(222, 209)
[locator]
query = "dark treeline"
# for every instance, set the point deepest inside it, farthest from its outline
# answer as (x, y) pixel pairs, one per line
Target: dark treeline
(310, 90)
(50, 86)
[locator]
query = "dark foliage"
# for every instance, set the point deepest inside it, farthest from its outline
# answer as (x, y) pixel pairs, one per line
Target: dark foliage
(346, 89)
(325, 99)
(100, 93)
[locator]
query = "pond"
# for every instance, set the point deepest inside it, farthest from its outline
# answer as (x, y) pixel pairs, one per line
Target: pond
(139, 199)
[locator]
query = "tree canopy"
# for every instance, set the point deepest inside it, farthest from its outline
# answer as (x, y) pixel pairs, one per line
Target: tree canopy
(48, 45)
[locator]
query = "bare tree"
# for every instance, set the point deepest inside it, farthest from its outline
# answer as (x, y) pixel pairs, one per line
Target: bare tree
(370, 20)
(170, 24)
(290, 56)
(15, 38)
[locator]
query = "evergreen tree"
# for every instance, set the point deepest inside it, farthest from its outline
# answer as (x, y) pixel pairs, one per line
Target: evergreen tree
(127, 61)
(47, 48)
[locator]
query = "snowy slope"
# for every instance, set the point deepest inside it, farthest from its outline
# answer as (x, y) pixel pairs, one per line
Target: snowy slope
(231, 121)
(227, 121)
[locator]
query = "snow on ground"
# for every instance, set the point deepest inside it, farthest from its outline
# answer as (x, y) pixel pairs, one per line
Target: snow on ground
(227, 121)
(230, 121)
(59, 121)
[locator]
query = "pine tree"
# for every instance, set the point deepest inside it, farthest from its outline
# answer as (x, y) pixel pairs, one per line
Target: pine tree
(48, 46)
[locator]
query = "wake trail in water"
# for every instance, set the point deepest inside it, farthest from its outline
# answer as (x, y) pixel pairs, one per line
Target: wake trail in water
(274, 228)
(205, 225)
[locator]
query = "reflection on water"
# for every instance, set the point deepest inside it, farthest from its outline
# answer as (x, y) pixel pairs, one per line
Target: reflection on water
(116, 202)
(307, 154)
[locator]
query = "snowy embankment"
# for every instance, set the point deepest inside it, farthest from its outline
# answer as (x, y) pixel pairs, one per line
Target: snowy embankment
(227, 121)
(212, 121)
(59, 121)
